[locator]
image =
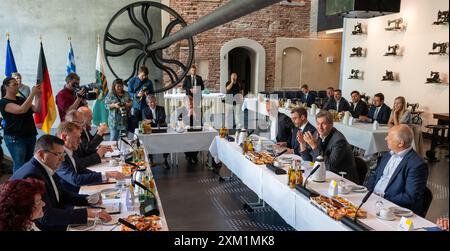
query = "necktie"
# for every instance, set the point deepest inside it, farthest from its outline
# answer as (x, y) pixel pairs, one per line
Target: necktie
(194, 80)
(375, 116)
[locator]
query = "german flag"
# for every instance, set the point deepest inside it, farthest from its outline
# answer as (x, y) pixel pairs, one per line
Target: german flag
(45, 118)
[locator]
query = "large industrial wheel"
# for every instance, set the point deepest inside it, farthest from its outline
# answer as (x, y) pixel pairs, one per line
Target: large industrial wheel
(133, 47)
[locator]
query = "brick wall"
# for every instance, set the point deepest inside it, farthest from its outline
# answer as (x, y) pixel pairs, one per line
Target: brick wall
(263, 26)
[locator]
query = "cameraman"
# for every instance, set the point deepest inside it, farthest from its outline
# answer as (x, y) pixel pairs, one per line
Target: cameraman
(139, 87)
(118, 102)
(66, 99)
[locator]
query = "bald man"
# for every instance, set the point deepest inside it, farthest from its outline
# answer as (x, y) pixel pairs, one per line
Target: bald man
(89, 142)
(401, 174)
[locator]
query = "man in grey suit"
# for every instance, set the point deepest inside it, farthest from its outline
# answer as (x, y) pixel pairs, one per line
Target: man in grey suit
(329, 143)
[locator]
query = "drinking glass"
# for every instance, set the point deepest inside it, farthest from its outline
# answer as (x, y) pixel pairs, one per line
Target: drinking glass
(342, 181)
(379, 203)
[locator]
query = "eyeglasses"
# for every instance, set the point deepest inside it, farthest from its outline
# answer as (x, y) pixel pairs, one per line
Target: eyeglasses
(59, 155)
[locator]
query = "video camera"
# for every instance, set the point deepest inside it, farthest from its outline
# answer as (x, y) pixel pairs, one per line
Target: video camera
(90, 91)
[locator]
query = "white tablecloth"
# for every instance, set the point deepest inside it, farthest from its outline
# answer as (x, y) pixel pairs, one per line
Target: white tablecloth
(292, 206)
(173, 142)
(103, 167)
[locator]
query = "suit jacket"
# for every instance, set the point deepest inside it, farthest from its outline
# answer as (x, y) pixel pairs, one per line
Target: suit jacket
(360, 109)
(284, 130)
(88, 147)
(326, 101)
(311, 99)
(187, 84)
(343, 105)
(383, 114)
(160, 115)
(57, 214)
(407, 184)
(73, 177)
(337, 154)
(294, 143)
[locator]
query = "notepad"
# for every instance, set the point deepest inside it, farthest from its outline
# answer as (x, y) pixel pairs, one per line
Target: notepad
(112, 208)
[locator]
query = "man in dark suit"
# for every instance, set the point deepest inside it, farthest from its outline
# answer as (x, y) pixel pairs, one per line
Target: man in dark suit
(358, 107)
(402, 174)
(191, 116)
(157, 115)
(379, 111)
(329, 97)
(90, 143)
(87, 153)
(339, 103)
(72, 176)
(331, 145)
(192, 80)
(306, 96)
(299, 117)
(281, 125)
(59, 203)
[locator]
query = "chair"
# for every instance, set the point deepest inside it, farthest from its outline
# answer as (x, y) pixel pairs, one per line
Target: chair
(361, 169)
(427, 198)
(322, 94)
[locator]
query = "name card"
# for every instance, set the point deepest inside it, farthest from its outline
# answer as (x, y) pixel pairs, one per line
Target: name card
(333, 189)
(405, 224)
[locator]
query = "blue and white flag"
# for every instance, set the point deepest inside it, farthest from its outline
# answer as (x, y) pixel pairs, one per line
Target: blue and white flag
(70, 65)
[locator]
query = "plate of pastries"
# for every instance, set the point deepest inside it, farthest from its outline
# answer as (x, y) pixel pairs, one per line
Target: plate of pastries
(261, 158)
(337, 207)
(127, 170)
(143, 223)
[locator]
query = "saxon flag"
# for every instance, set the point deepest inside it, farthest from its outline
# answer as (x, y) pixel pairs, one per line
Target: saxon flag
(45, 118)
(100, 113)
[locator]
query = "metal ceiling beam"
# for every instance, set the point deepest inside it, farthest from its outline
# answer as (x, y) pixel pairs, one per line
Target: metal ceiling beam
(222, 15)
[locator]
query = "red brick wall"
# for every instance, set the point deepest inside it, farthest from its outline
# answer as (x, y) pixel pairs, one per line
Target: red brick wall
(263, 26)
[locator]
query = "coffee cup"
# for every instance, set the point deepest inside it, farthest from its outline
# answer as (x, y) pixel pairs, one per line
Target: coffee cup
(386, 213)
(113, 163)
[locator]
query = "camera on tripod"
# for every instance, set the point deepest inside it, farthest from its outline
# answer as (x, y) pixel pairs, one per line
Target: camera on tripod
(90, 92)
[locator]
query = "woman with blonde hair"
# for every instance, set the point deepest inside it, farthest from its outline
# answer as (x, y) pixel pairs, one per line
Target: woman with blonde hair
(399, 114)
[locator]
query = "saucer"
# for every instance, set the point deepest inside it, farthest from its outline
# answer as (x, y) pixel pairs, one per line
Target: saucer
(388, 219)
(400, 211)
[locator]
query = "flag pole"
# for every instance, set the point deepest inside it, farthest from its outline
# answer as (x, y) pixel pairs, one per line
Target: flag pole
(98, 39)
(7, 35)
(40, 38)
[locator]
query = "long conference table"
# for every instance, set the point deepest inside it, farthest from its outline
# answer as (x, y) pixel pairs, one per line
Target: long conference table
(104, 167)
(291, 205)
(359, 134)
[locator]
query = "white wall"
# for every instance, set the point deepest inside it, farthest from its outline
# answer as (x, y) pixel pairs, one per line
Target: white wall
(413, 67)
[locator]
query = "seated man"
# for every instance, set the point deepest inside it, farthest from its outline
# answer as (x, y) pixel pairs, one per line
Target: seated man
(72, 176)
(379, 111)
(299, 117)
(157, 116)
(306, 96)
(339, 103)
(281, 125)
(331, 145)
(89, 143)
(329, 98)
(191, 117)
(401, 174)
(358, 107)
(59, 203)
(86, 157)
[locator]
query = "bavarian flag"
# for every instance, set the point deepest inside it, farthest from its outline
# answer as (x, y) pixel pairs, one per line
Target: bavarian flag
(46, 116)
(100, 113)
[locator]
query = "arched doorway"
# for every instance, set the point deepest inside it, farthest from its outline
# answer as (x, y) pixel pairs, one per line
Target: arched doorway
(252, 67)
(291, 68)
(239, 61)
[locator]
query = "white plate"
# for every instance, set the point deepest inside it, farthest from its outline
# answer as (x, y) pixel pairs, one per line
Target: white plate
(110, 193)
(358, 189)
(388, 219)
(400, 211)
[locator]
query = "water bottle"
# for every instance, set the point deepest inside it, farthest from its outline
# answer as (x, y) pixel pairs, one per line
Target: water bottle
(375, 125)
(129, 200)
(321, 174)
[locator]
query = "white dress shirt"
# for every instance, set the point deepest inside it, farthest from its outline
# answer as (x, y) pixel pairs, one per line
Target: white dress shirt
(87, 134)
(50, 173)
(153, 113)
(389, 170)
(273, 128)
(375, 115)
(193, 80)
(337, 105)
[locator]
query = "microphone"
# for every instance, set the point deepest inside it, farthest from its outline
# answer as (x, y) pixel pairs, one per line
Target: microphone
(364, 200)
(302, 188)
(148, 206)
(353, 223)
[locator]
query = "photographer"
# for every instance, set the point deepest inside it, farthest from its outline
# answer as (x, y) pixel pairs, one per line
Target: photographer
(67, 99)
(138, 88)
(118, 102)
